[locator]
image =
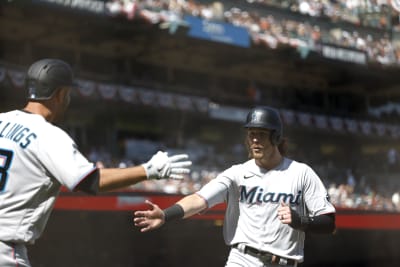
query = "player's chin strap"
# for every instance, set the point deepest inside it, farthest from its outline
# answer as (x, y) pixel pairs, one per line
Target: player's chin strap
(323, 224)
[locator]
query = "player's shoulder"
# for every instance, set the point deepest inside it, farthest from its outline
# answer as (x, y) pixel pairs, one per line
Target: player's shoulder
(234, 169)
(39, 125)
(302, 169)
(248, 167)
(56, 133)
(45, 127)
(9, 114)
(26, 119)
(291, 163)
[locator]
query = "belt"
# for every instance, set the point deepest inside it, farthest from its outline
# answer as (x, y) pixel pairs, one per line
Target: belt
(266, 257)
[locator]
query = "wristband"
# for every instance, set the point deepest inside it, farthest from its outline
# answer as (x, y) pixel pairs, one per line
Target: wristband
(324, 223)
(173, 213)
(300, 222)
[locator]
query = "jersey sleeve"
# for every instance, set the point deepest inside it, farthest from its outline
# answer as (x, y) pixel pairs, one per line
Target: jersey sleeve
(216, 191)
(315, 195)
(62, 159)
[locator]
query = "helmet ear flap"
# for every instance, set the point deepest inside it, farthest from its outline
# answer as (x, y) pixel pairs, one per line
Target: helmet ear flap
(275, 137)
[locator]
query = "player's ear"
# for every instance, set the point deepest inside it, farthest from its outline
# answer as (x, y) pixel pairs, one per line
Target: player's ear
(57, 96)
(60, 95)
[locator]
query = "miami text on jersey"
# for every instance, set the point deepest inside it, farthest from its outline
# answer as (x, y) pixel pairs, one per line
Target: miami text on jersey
(17, 133)
(257, 195)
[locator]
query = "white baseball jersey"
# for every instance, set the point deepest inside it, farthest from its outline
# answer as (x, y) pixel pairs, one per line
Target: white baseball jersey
(253, 196)
(36, 158)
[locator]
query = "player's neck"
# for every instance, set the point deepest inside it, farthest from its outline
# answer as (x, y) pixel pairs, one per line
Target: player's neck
(39, 109)
(270, 161)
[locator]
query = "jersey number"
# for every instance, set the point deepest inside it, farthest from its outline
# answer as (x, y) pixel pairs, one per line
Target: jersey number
(5, 162)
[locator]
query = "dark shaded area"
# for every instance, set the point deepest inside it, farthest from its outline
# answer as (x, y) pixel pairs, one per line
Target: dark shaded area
(86, 239)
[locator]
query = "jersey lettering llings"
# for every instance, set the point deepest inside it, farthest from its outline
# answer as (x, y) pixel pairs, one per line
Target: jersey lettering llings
(253, 196)
(36, 158)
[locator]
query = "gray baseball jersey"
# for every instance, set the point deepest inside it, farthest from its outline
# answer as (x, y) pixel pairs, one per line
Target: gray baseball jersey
(36, 158)
(253, 196)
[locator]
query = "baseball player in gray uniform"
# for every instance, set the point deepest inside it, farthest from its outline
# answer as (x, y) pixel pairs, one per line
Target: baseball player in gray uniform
(37, 158)
(272, 201)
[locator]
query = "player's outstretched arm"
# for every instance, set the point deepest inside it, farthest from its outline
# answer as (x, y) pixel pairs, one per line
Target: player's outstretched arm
(191, 205)
(154, 218)
(160, 166)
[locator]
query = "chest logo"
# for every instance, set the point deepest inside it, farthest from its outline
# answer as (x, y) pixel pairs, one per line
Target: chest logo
(257, 195)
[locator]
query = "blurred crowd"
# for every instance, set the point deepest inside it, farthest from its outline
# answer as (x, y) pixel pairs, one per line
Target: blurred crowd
(367, 13)
(347, 188)
(304, 24)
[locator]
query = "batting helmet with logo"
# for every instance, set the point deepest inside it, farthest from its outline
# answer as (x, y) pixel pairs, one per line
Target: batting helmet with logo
(45, 76)
(266, 118)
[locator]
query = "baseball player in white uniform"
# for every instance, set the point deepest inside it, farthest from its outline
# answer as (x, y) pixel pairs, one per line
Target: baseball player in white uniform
(37, 158)
(272, 201)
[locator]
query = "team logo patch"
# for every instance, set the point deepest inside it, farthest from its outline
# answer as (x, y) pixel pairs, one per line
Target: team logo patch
(256, 116)
(257, 194)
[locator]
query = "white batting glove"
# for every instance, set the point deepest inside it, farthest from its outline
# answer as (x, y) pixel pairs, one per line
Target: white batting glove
(160, 166)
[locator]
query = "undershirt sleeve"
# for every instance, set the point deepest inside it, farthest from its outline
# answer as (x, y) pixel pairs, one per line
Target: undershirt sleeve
(215, 191)
(89, 184)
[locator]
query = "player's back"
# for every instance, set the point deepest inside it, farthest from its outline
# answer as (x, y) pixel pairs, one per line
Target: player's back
(26, 192)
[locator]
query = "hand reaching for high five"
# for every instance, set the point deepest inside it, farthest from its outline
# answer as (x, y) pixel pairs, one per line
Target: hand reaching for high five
(162, 166)
(148, 220)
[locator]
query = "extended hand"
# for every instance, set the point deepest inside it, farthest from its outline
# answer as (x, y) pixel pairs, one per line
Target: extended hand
(161, 166)
(150, 219)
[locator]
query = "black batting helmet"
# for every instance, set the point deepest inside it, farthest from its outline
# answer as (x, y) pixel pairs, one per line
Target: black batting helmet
(266, 118)
(45, 76)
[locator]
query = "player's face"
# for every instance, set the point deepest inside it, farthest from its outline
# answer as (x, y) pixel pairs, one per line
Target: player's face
(259, 143)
